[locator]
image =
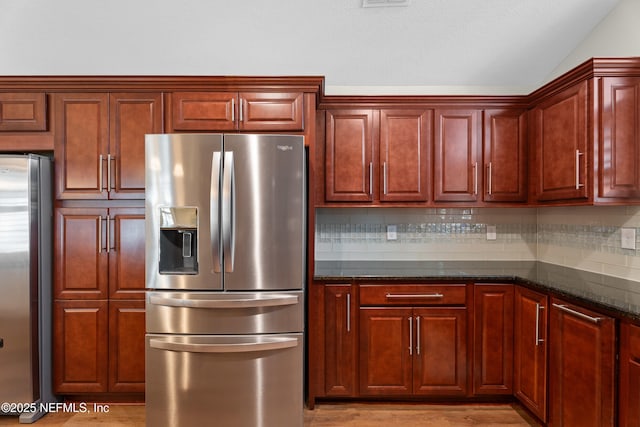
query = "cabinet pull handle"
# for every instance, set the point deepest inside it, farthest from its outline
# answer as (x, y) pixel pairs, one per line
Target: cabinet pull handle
(418, 335)
(577, 313)
(371, 178)
(436, 295)
(241, 113)
(578, 185)
(109, 158)
(348, 312)
(489, 178)
(384, 177)
(108, 234)
(233, 109)
(538, 339)
(475, 178)
(100, 233)
(410, 336)
(100, 160)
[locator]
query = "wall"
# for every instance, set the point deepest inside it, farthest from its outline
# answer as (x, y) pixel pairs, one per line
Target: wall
(616, 36)
(586, 238)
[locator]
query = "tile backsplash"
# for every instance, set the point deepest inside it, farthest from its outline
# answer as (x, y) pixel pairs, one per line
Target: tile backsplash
(587, 238)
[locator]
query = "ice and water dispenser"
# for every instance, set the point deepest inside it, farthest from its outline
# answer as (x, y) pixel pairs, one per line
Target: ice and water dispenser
(178, 240)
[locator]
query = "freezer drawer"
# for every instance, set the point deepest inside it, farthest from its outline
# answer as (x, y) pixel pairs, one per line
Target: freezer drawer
(233, 380)
(224, 312)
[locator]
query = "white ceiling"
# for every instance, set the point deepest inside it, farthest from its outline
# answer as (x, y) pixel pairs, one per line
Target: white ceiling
(486, 43)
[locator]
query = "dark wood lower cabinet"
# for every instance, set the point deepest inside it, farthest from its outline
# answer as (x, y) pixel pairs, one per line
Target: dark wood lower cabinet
(582, 367)
(98, 346)
(629, 391)
(493, 339)
(413, 351)
(530, 344)
(340, 340)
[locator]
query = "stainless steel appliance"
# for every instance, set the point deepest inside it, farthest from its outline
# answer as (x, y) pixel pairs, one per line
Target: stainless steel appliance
(225, 257)
(25, 285)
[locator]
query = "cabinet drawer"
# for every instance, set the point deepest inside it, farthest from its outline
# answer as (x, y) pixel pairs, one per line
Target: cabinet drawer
(413, 295)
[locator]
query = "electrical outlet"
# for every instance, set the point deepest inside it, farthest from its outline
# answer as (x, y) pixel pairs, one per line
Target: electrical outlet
(628, 238)
(491, 232)
(392, 232)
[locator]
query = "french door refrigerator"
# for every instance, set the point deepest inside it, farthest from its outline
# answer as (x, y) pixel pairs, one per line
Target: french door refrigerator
(225, 271)
(25, 286)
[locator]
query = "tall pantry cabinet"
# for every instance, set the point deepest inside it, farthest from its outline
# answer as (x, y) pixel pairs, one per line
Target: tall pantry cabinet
(99, 239)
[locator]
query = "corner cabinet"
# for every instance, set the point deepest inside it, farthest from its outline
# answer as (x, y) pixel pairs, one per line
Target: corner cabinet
(581, 367)
(377, 155)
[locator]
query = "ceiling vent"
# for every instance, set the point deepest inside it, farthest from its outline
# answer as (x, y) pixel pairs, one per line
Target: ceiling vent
(385, 3)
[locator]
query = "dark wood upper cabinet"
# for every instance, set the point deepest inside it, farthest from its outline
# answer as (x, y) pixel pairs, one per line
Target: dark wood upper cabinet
(505, 155)
(405, 140)
(24, 111)
(457, 155)
(236, 111)
(349, 154)
(99, 143)
(619, 138)
(560, 141)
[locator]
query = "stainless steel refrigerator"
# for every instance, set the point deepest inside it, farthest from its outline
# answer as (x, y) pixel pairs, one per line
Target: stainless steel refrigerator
(25, 286)
(225, 271)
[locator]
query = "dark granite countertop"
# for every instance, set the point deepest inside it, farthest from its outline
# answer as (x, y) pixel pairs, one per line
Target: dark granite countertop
(618, 296)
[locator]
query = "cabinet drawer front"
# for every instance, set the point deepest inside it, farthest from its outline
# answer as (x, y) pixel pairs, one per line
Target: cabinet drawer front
(413, 295)
(23, 112)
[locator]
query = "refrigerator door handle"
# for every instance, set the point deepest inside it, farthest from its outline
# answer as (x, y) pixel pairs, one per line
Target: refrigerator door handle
(214, 211)
(228, 212)
(248, 302)
(271, 344)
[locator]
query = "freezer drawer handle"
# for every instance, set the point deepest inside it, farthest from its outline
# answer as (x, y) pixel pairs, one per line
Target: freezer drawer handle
(272, 301)
(274, 344)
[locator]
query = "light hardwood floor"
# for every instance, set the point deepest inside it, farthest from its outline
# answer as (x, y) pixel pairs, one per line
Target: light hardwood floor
(329, 415)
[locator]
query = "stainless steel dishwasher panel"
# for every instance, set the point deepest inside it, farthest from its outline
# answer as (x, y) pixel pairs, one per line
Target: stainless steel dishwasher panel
(232, 380)
(224, 312)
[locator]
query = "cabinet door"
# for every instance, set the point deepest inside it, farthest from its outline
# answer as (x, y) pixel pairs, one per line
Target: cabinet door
(126, 346)
(440, 351)
(493, 339)
(405, 139)
(81, 259)
(23, 112)
(265, 111)
(81, 145)
(456, 155)
(619, 139)
(350, 173)
(561, 145)
(386, 351)
(132, 115)
(204, 111)
(531, 313)
(505, 157)
(340, 341)
(629, 375)
(126, 251)
(582, 367)
(80, 346)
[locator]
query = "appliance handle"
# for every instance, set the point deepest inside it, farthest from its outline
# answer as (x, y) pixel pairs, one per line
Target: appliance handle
(270, 301)
(214, 211)
(271, 344)
(228, 212)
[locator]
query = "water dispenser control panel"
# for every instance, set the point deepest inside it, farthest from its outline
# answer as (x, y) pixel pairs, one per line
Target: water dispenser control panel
(178, 240)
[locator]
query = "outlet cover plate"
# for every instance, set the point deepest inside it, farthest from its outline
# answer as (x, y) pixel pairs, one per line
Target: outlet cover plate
(628, 238)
